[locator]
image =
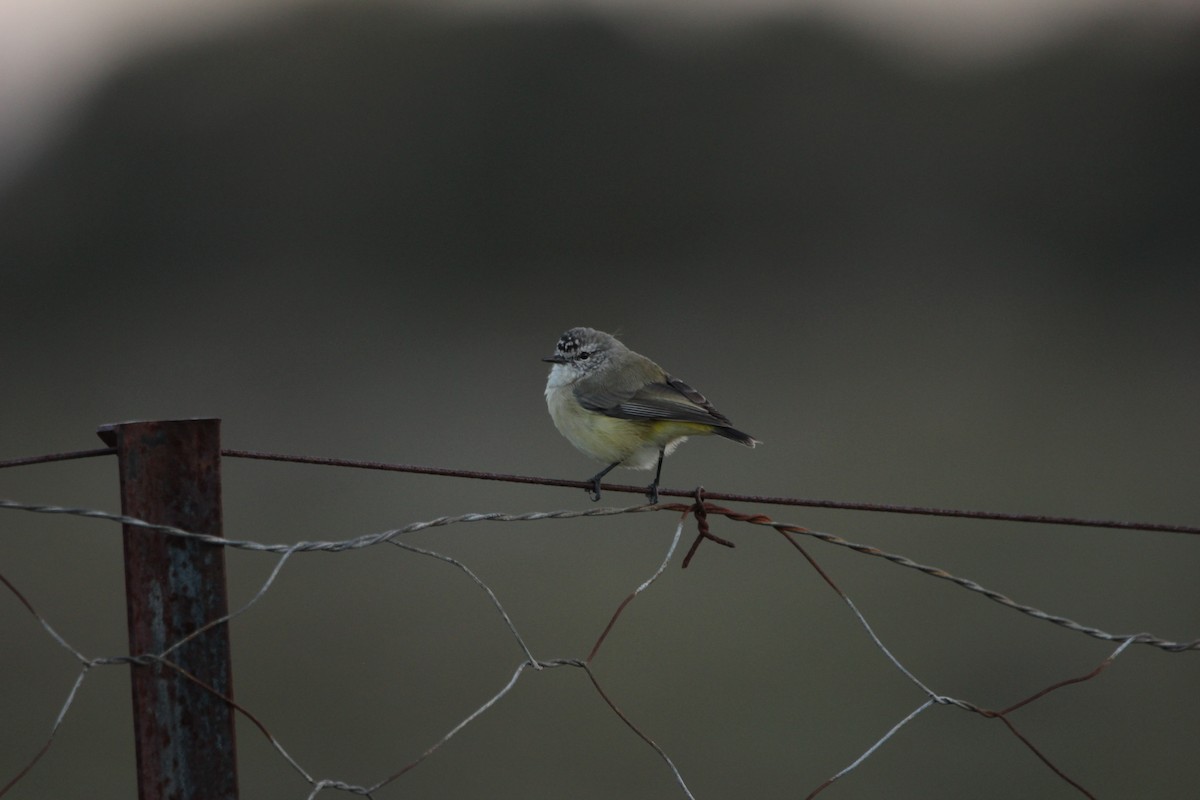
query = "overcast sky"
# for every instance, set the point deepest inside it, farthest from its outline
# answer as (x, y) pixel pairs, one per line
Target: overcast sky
(53, 50)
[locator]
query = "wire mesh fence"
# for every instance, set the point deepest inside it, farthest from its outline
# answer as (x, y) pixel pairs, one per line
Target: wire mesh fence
(657, 757)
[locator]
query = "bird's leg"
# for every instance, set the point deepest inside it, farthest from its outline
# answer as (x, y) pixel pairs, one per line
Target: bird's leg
(595, 479)
(652, 489)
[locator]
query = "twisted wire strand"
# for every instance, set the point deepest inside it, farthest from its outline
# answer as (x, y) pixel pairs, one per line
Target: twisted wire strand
(789, 529)
(337, 546)
(369, 540)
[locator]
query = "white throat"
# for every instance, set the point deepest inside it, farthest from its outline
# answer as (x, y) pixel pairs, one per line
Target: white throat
(561, 375)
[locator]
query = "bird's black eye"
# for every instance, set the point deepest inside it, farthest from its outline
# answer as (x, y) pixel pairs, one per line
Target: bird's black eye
(584, 354)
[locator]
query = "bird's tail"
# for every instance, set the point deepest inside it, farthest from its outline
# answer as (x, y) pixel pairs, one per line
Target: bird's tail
(737, 436)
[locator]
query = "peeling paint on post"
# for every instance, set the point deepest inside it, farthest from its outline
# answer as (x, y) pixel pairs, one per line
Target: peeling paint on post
(171, 475)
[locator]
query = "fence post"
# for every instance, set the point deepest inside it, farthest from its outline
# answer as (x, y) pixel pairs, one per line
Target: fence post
(171, 474)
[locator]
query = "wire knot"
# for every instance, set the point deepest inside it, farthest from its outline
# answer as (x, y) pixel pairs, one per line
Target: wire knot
(700, 509)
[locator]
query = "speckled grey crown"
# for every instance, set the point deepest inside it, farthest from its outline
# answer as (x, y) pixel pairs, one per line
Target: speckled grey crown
(568, 343)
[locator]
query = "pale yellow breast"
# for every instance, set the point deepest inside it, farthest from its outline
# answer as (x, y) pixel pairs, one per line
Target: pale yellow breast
(633, 443)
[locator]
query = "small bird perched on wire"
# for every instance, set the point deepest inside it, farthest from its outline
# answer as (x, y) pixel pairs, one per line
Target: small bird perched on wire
(619, 407)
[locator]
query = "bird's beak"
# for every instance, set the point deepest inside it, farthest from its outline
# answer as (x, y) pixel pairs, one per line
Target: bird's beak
(556, 359)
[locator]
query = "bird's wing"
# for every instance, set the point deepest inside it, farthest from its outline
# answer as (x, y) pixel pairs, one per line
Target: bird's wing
(670, 400)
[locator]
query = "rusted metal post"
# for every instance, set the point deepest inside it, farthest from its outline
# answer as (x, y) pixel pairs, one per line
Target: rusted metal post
(171, 475)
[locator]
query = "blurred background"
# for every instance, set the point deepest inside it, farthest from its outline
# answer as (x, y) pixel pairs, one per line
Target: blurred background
(931, 253)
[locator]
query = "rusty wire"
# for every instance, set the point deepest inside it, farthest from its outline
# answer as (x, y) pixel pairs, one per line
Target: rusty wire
(729, 497)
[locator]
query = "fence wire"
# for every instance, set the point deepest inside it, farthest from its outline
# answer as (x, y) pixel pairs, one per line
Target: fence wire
(700, 509)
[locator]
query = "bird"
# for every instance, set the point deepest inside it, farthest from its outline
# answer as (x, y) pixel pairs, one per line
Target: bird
(621, 408)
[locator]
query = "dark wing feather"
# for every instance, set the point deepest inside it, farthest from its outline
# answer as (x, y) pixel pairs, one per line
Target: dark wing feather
(672, 400)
